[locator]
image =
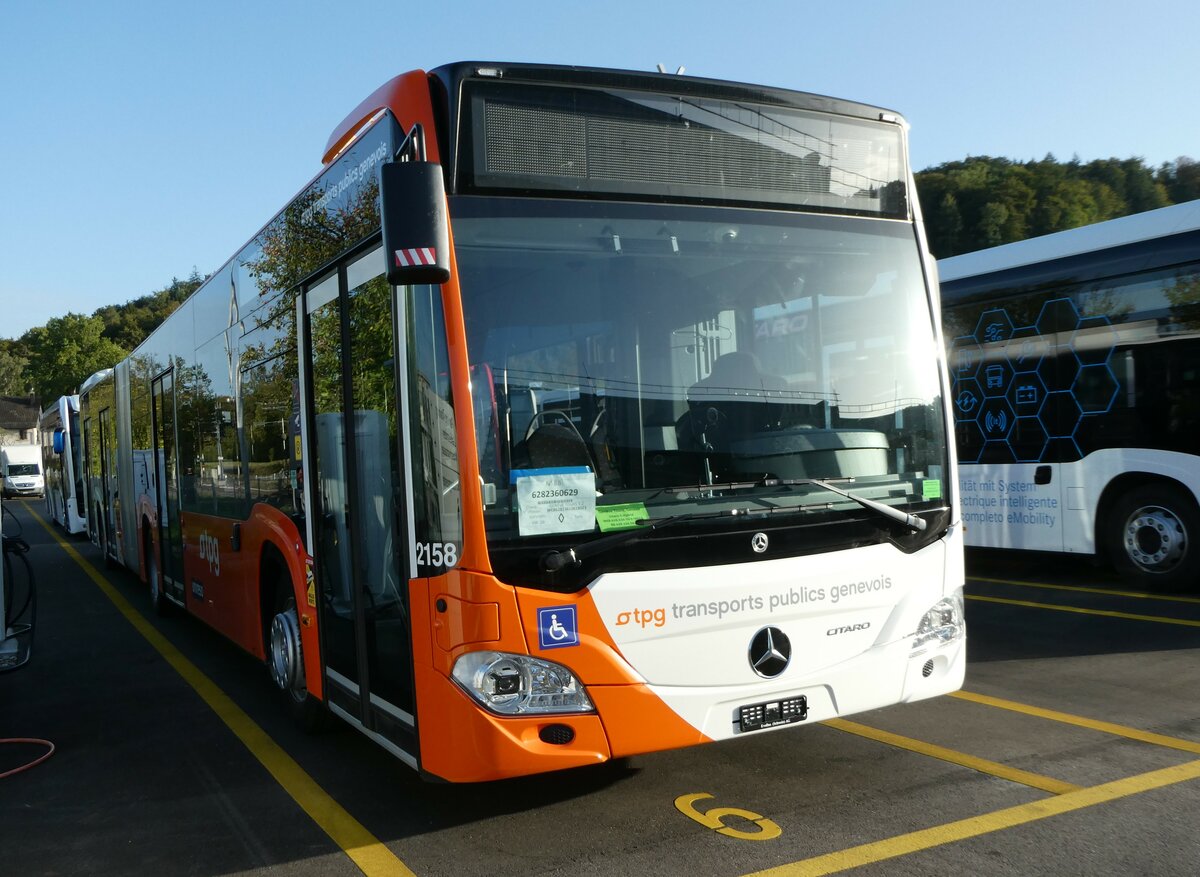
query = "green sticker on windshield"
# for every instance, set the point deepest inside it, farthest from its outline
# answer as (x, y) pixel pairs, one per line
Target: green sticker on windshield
(624, 516)
(931, 488)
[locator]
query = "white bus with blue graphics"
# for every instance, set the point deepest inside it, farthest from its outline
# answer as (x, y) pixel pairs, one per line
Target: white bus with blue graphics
(63, 465)
(1075, 360)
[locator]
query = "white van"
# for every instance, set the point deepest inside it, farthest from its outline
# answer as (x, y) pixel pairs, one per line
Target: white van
(21, 470)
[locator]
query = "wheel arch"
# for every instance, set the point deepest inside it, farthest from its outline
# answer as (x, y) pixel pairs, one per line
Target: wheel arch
(273, 573)
(281, 559)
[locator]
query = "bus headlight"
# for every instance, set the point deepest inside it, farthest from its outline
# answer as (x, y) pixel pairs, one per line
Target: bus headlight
(520, 685)
(943, 623)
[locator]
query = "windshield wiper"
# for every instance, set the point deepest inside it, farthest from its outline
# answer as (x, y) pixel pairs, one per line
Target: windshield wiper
(765, 481)
(888, 511)
(553, 561)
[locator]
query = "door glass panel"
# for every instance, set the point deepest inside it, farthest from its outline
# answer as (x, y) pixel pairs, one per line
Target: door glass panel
(92, 462)
(107, 476)
(330, 485)
(76, 462)
(170, 536)
(377, 466)
(358, 488)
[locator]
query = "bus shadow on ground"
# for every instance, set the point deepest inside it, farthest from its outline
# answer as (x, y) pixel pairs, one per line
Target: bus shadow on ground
(1003, 631)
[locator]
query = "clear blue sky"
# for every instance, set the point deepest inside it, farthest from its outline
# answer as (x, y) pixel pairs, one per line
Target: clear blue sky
(142, 139)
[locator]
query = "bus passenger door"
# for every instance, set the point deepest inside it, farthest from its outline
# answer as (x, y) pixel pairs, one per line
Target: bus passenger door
(106, 526)
(76, 461)
(355, 489)
(89, 446)
(166, 472)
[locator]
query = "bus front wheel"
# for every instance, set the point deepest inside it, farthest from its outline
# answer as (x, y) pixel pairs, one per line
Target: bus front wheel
(285, 662)
(1155, 537)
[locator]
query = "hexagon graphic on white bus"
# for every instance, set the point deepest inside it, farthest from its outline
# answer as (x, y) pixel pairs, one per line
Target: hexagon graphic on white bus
(1020, 387)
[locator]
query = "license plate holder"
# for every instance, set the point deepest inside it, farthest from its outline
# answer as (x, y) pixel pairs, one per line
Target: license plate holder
(772, 713)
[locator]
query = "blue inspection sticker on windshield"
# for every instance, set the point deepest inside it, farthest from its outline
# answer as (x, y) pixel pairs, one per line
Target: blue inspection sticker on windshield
(557, 627)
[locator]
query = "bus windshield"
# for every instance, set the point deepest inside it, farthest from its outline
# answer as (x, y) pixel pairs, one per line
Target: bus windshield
(632, 362)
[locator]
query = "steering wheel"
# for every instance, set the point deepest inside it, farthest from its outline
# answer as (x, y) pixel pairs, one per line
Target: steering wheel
(708, 428)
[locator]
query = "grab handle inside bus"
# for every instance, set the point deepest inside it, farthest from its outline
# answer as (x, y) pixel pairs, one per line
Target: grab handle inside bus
(59, 442)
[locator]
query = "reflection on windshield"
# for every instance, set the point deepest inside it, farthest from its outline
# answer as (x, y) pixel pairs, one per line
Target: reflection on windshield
(627, 368)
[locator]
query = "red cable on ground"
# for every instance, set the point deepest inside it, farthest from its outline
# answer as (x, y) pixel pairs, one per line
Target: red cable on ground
(35, 741)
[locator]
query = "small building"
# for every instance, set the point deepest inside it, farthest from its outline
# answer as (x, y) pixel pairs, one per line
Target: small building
(19, 417)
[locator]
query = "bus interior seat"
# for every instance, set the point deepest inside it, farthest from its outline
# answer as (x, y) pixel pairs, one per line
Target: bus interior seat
(551, 444)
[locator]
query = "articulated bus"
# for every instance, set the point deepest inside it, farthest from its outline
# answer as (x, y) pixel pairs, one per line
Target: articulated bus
(1076, 383)
(567, 414)
(62, 464)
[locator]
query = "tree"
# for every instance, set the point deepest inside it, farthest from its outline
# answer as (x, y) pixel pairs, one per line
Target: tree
(66, 351)
(129, 324)
(992, 220)
(1181, 179)
(1064, 204)
(14, 380)
(946, 226)
(984, 201)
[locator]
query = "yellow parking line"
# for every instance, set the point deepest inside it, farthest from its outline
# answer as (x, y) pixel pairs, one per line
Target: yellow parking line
(904, 844)
(369, 854)
(995, 768)
(1157, 619)
(1082, 722)
(1108, 592)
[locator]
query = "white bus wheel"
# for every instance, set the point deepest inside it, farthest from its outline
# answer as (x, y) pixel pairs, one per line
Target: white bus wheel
(1154, 533)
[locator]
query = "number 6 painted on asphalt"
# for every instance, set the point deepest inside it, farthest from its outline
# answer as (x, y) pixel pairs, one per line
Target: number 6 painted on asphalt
(768, 830)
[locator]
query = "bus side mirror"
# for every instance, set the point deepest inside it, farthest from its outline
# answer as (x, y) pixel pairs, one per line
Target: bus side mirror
(416, 238)
(59, 443)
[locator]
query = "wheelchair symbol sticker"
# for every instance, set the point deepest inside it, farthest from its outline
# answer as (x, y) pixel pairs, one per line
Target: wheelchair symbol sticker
(557, 627)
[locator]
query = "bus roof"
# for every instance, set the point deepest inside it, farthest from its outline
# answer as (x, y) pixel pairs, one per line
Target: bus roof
(55, 408)
(1149, 225)
(95, 379)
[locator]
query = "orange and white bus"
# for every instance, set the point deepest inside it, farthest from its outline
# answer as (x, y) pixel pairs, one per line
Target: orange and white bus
(567, 414)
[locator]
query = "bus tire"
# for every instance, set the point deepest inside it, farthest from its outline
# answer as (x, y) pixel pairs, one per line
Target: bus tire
(285, 662)
(158, 600)
(1154, 537)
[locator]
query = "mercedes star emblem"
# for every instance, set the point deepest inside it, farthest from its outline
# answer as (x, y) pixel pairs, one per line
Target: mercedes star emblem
(759, 542)
(770, 652)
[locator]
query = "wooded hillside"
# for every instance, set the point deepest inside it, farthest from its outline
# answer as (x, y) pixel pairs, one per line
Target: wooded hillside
(983, 202)
(52, 360)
